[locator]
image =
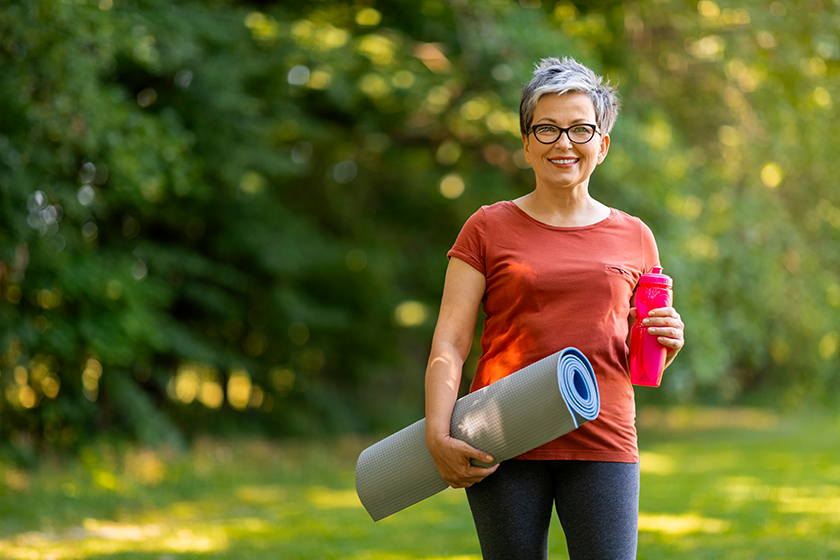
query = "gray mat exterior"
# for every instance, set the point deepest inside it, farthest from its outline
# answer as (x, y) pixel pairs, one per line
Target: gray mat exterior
(518, 413)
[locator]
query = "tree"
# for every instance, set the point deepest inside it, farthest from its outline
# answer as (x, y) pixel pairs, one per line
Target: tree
(216, 215)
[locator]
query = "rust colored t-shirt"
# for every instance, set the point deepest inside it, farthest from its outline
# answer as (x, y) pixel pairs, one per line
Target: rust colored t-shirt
(549, 288)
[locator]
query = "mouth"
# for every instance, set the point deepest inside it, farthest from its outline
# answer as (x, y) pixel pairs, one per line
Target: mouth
(564, 161)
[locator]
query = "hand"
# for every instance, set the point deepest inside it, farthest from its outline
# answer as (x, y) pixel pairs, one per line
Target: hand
(452, 459)
(665, 324)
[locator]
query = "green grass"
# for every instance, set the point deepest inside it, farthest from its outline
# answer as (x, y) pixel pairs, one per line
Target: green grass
(715, 484)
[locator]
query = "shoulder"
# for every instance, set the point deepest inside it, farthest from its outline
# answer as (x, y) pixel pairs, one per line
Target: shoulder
(631, 223)
(491, 214)
(635, 231)
(499, 208)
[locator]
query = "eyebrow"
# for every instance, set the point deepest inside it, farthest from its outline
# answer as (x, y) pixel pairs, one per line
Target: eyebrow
(573, 123)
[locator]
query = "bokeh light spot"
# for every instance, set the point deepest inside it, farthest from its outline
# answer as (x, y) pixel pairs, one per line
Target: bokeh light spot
(263, 28)
(86, 195)
(114, 289)
(403, 79)
(356, 260)
(146, 97)
(411, 313)
(829, 344)
(771, 175)
(708, 9)
(283, 379)
(298, 75)
(822, 97)
(344, 172)
(368, 17)
(211, 394)
(378, 48)
(239, 389)
(448, 152)
(452, 186)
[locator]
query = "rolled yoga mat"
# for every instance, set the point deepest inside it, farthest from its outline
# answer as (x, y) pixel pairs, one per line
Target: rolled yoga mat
(516, 414)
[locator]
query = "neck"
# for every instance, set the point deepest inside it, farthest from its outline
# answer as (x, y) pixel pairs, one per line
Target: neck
(572, 208)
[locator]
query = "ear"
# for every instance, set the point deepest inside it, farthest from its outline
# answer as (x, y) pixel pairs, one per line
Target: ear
(603, 148)
(526, 148)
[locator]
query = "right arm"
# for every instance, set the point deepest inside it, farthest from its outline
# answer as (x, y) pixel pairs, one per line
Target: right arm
(463, 291)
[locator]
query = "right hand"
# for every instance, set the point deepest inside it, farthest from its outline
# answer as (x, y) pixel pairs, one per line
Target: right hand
(452, 459)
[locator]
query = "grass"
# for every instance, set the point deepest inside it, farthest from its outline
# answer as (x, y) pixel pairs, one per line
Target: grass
(715, 484)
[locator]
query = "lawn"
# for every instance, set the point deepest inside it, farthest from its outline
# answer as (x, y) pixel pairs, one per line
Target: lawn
(716, 483)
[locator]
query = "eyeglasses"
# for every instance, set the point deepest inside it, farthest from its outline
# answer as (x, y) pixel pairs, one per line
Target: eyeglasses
(577, 134)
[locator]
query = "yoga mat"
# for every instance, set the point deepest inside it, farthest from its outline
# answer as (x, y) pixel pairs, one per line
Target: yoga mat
(516, 414)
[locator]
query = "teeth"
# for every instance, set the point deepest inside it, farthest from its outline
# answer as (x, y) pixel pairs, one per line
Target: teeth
(563, 161)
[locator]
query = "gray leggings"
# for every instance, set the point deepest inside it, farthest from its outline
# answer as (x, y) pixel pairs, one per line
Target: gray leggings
(597, 503)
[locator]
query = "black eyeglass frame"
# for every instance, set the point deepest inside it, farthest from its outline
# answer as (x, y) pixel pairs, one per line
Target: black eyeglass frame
(566, 130)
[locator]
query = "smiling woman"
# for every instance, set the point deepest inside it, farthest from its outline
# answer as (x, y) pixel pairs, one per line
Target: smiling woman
(542, 268)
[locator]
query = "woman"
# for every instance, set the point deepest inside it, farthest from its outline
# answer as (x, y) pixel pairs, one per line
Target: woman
(554, 268)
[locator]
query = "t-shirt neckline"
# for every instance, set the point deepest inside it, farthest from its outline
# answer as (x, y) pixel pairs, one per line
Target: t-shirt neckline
(535, 221)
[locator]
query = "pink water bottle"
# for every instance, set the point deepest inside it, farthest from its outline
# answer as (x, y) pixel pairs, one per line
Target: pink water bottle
(647, 356)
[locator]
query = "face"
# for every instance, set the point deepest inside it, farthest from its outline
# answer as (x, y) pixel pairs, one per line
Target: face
(564, 164)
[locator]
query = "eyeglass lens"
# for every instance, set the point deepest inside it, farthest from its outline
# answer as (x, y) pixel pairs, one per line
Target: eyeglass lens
(579, 134)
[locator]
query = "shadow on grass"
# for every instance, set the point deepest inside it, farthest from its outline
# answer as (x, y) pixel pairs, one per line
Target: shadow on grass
(715, 484)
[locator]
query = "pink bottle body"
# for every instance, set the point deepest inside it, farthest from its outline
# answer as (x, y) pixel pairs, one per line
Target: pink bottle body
(647, 356)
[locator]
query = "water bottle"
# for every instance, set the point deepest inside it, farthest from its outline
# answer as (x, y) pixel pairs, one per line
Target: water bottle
(647, 356)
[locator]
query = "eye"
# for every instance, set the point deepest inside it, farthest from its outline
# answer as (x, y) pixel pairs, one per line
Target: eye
(545, 129)
(581, 129)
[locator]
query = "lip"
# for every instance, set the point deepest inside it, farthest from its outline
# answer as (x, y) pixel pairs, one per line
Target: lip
(564, 162)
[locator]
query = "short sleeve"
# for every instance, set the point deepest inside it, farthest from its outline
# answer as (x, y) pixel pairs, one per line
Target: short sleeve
(650, 253)
(470, 244)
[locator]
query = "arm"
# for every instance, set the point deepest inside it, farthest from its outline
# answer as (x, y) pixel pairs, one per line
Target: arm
(462, 293)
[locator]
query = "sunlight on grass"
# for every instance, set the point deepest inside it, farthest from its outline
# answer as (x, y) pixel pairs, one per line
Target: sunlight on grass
(681, 524)
(803, 500)
(109, 538)
(656, 463)
(716, 484)
(261, 494)
(695, 418)
(324, 498)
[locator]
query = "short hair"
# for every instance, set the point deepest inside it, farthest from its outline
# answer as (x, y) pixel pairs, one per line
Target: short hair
(565, 76)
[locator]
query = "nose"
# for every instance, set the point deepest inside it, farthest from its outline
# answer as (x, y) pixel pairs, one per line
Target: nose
(564, 143)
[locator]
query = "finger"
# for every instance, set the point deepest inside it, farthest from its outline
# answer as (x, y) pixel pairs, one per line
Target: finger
(477, 474)
(471, 452)
(664, 312)
(670, 339)
(670, 332)
(673, 343)
(663, 321)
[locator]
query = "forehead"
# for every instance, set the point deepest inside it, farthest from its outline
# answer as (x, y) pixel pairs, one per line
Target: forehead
(569, 106)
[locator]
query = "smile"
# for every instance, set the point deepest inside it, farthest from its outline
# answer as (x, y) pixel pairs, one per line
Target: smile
(564, 161)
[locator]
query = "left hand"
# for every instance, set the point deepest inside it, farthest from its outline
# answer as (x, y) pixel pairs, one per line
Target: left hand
(665, 324)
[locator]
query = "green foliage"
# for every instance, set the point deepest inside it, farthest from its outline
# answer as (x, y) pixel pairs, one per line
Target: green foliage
(237, 218)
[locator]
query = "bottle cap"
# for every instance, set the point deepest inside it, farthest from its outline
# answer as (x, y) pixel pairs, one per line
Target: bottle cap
(655, 276)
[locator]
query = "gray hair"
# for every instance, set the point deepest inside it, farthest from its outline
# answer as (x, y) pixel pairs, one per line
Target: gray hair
(565, 76)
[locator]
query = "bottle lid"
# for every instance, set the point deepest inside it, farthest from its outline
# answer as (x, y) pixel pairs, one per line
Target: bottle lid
(655, 276)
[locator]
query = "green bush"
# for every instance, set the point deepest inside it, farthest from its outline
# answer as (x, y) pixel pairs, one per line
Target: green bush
(219, 218)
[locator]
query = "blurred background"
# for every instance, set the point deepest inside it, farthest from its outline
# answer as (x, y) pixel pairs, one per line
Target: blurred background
(232, 217)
